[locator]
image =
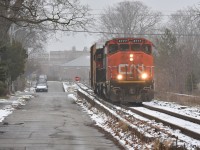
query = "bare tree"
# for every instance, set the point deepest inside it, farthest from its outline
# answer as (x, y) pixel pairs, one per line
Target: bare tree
(32, 39)
(49, 14)
(168, 63)
(30, 21)
(186, 24)
(182, 59)
(128, 19)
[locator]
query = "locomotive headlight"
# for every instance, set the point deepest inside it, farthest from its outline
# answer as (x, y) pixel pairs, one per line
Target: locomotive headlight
(119, 77)
(131, 57)
(144, 76)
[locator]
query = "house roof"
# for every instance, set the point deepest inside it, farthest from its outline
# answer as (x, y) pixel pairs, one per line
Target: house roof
(83, 61)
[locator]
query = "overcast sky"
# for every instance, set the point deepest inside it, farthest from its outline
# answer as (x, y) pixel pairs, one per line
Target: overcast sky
(63, 42)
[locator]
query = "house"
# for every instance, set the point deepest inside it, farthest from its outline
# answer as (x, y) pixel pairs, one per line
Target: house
(51, 63)
(79, 67)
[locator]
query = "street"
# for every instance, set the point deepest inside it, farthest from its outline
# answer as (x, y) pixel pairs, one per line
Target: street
(51, 121)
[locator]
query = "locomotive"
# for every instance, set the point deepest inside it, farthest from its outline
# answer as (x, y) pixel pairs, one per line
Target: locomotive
(122, 70)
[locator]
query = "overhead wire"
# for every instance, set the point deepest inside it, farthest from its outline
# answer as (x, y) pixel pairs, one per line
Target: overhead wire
(137, 34)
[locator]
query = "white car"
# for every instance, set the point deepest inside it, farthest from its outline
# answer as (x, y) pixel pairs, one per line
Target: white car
(41, 87)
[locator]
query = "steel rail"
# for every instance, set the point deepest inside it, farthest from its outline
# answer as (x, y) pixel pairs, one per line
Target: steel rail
(184, 117)
(183, 130)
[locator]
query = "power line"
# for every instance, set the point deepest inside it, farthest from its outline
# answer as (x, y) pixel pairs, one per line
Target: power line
(156, 15)
(137, 34)
(171, 13)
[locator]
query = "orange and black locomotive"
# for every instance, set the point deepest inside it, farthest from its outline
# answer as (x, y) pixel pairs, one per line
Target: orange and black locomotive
(122, 70)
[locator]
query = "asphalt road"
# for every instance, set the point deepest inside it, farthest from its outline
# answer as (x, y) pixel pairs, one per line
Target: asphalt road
(51, 121)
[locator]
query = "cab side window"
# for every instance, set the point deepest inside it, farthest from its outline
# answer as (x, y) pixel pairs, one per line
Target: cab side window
(146, 49)
(113, 48)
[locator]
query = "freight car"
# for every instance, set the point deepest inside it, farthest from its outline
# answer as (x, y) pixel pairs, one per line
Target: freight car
(122, 70)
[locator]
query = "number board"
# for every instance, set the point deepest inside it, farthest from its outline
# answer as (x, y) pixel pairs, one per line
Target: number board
(122, 40)
(137, 41)
(131, 40)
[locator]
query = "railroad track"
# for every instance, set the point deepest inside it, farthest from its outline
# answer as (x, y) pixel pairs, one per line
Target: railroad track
(178, 115)
(184, 130)
(125, 114)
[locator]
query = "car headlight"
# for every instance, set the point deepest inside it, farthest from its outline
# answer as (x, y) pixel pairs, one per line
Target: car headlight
(144, 76)
(119, 77)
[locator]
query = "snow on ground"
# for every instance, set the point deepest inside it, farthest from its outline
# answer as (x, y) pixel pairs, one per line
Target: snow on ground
(170, 106)
(69, 86)
(5, 111)
(102, 121)
(7, 106)
(174, 120)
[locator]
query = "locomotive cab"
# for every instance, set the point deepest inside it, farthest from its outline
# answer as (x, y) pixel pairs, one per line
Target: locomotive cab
(124, 70)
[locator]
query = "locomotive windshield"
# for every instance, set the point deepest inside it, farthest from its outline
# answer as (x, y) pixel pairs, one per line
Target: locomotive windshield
(144, 48)
(113, 48)
(135, 47)
(124, 47)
